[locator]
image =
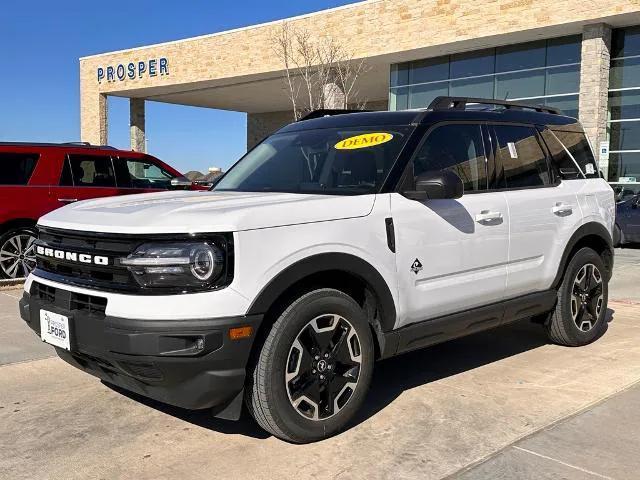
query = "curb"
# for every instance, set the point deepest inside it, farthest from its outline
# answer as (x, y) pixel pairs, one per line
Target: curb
(12, 282)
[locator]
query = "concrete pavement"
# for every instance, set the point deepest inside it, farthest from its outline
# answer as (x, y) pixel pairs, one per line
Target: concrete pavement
(625, 284)
(17, 342)
(429, 414)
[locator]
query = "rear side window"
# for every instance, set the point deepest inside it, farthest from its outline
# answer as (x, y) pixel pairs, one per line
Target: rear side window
(457, 148)
(17, 168)
(524, 163)
(578, 146)
(88, 171)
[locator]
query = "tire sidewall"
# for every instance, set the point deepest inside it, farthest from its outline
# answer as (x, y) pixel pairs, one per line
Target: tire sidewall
(582, 257)
(285, 415)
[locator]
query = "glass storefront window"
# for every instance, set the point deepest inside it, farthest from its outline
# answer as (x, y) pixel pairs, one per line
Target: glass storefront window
(519, 57)
(429, 70)
(624, 166)
(399, 75)
(623, 128)
(624, 136)
(625, 104)
(567, 104)
(624, 73)
(472, 64)
(520, 84)
(541, 70)
(423, 94)
(561, 51)
(625, 42)
(562, 80)
(481, 87)
(399, 99)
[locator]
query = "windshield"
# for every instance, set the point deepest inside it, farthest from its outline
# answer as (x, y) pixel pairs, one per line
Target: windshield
(338, 161)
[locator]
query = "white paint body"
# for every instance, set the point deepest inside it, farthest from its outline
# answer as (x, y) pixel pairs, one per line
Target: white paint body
(467, 262)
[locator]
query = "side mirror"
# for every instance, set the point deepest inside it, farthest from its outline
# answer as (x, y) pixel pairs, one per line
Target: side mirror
(436, 185)
(181, 182)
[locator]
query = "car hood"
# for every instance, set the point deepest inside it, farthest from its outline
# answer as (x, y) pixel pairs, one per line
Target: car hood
(193, 211)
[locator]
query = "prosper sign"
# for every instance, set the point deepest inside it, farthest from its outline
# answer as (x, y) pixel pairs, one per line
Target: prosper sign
(132, 70)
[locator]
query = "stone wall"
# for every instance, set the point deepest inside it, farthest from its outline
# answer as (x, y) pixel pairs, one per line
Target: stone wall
(594, 84)
(383, 29)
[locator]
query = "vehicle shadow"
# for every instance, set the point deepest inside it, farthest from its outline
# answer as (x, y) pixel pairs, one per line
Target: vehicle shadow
(395, 375)
(202, 418)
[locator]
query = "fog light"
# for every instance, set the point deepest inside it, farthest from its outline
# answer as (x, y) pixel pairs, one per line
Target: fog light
(237, 333)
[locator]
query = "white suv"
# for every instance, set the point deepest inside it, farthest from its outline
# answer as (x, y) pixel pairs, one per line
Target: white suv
(339, 240)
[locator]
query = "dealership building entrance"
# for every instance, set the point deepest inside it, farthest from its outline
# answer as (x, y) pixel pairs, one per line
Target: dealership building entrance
(581, 57)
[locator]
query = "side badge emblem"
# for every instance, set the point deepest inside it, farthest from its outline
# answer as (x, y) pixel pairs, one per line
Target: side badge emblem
(416, 267)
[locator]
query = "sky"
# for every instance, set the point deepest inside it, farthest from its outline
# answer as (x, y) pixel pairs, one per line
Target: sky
(42, 40)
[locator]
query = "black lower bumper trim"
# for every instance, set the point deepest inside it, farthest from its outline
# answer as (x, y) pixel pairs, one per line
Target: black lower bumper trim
(189, 363)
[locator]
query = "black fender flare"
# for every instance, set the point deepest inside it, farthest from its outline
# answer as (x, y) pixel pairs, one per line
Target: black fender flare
(587, 230)
(326, 262)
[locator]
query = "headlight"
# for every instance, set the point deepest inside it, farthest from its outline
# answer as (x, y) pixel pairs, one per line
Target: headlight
(177, 265)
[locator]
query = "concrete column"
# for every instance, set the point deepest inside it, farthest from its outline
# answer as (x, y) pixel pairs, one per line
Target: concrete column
(94, 119)
(260, 125)
(333, 97)
(594, 84)
(137, 124)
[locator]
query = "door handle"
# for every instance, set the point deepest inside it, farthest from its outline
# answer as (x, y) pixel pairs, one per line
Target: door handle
(488, 216)
(67, 200)
(562, 209)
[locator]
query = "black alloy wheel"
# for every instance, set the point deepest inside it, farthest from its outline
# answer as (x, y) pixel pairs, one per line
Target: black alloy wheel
(587, 297)
(323, 367)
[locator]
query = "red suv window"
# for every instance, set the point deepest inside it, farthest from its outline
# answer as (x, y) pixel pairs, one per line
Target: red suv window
(17, 168)
(88, 171)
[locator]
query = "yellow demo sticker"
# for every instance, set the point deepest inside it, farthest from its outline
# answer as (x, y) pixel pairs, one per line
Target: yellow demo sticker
(363, 141)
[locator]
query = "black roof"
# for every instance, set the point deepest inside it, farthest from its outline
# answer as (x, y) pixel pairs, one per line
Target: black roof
(437, 112)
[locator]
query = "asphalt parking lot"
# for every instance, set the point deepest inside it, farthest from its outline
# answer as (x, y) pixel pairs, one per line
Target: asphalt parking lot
(502, 404)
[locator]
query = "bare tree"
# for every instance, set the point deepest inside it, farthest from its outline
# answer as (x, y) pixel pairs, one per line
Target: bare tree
(319, 72)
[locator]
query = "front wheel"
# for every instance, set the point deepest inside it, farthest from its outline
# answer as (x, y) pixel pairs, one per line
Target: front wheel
(314, 369)
(579, 315)
(17, 253)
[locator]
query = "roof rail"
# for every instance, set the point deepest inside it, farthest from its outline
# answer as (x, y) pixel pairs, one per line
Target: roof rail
(325, 112)
(54, 144)
(446, 103)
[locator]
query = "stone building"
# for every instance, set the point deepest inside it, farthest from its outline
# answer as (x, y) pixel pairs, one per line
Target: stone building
(582, 57)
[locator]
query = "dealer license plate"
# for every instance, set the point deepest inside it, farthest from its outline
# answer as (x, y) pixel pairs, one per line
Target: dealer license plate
(54, 329)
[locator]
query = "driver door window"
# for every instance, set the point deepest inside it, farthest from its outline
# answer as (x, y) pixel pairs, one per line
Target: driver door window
(458, 148)
(141, 174)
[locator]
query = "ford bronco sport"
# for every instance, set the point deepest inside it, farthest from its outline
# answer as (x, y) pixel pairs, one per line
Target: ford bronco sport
(339, 240)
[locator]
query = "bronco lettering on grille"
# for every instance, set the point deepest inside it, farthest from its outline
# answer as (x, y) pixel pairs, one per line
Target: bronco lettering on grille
(71, 256)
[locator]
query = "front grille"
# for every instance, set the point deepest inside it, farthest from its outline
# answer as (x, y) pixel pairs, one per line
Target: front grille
(111, 277)
(54, 246)
(74, 302)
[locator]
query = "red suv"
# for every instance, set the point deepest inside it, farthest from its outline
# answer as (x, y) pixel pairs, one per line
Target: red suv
(37, 178)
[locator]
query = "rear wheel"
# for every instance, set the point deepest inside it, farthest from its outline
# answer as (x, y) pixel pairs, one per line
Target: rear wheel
(17, 253)
(314, 369)
(579, 315)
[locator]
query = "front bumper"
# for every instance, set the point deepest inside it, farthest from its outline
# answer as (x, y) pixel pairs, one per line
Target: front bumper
(187, 363)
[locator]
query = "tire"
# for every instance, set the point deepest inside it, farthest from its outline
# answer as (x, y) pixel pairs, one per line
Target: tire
(617, 236)
(17, 255)
(579, 316)
(289, 361)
